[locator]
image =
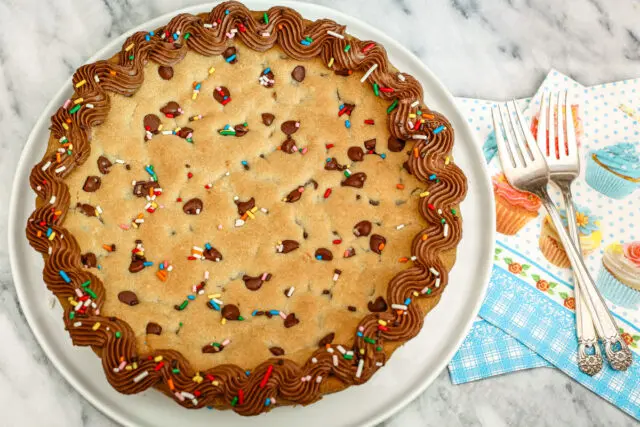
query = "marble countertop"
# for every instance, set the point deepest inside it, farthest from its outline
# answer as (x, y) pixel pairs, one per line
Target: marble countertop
(494, 49)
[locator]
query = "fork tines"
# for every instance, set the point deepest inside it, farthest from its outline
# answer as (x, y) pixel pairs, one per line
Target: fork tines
(517, 148)
(556, 131)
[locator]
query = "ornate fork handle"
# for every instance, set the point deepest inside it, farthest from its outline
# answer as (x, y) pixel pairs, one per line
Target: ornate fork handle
(589, 362)
(617, 351)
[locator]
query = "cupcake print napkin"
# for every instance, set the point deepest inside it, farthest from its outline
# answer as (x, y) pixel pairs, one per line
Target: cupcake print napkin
(528, 319)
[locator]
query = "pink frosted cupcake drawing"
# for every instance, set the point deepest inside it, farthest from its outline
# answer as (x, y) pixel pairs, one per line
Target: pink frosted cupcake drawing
(514, 208)
(619, 276)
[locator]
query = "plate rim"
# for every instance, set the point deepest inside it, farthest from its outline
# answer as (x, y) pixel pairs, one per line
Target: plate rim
(14, 226)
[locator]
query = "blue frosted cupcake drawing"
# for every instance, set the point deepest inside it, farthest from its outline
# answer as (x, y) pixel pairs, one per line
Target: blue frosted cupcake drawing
(615, 170)
(619, 277)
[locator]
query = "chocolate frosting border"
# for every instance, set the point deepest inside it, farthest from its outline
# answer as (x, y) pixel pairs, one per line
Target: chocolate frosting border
(275, 381)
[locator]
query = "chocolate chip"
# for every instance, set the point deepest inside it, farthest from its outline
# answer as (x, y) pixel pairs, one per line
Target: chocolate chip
(241, 130)
(375, 242)
(276, 351)
(171, 109)
(185, 132)
(287, 246)
(349, 107)
(193, 207)
(267, 118)
(351, 308)
(151, 123)
(349, 252)
(210, 348)
(326, 292)
(294, 195)
(289, 146)
(220, 93)
(395, 144)
(356, 180)
(298, 73)
(92, 183)
(343, 72)
(305, 235)
(374, 202)
(290, 127)
(86, 209)
(165, 72)
(136, 265)
(377, 306)
(154, 328)
(104, 165)
(333, 165)
(230, 312)
(212, 254)
(328, 339)
(128, 297)
(228, 53)
(89, 260)
(255, 283)
(141, 188)
(267, 79)
(370, 144)
(269, 315)
(363, 228)
(323, 254)
(291, 320)
(356, 154)
(245, 206)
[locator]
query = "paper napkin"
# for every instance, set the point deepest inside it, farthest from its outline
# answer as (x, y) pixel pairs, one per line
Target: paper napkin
(530, 295)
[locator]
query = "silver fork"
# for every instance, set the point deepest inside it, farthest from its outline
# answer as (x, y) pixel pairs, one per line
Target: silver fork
(526, 169)
(564, 166)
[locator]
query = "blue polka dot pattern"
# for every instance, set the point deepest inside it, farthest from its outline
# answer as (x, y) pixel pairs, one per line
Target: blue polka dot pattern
(604, 123)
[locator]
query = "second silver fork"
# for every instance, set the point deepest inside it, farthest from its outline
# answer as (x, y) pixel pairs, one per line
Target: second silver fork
(557, 140)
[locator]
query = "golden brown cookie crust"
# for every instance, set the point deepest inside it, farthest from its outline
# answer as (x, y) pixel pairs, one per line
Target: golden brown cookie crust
(390, 197)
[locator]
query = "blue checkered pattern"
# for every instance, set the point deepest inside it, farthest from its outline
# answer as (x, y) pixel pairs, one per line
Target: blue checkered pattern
(488, 351)
(542, 325)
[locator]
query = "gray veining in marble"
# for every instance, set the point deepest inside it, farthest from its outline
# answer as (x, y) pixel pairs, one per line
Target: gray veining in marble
(487, 49)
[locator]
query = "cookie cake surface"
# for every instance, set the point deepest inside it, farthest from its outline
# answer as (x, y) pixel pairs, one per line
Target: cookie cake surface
(246, 209)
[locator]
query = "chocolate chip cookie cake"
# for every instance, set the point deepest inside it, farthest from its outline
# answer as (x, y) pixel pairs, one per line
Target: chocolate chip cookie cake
(246, 209)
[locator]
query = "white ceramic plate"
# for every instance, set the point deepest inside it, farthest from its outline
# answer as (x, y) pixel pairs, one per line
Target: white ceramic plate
(412, 367)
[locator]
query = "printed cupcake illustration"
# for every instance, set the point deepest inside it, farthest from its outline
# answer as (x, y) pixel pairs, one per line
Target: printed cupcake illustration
(514, 208)
(615, 170)
(619, 276)
(588, 229)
